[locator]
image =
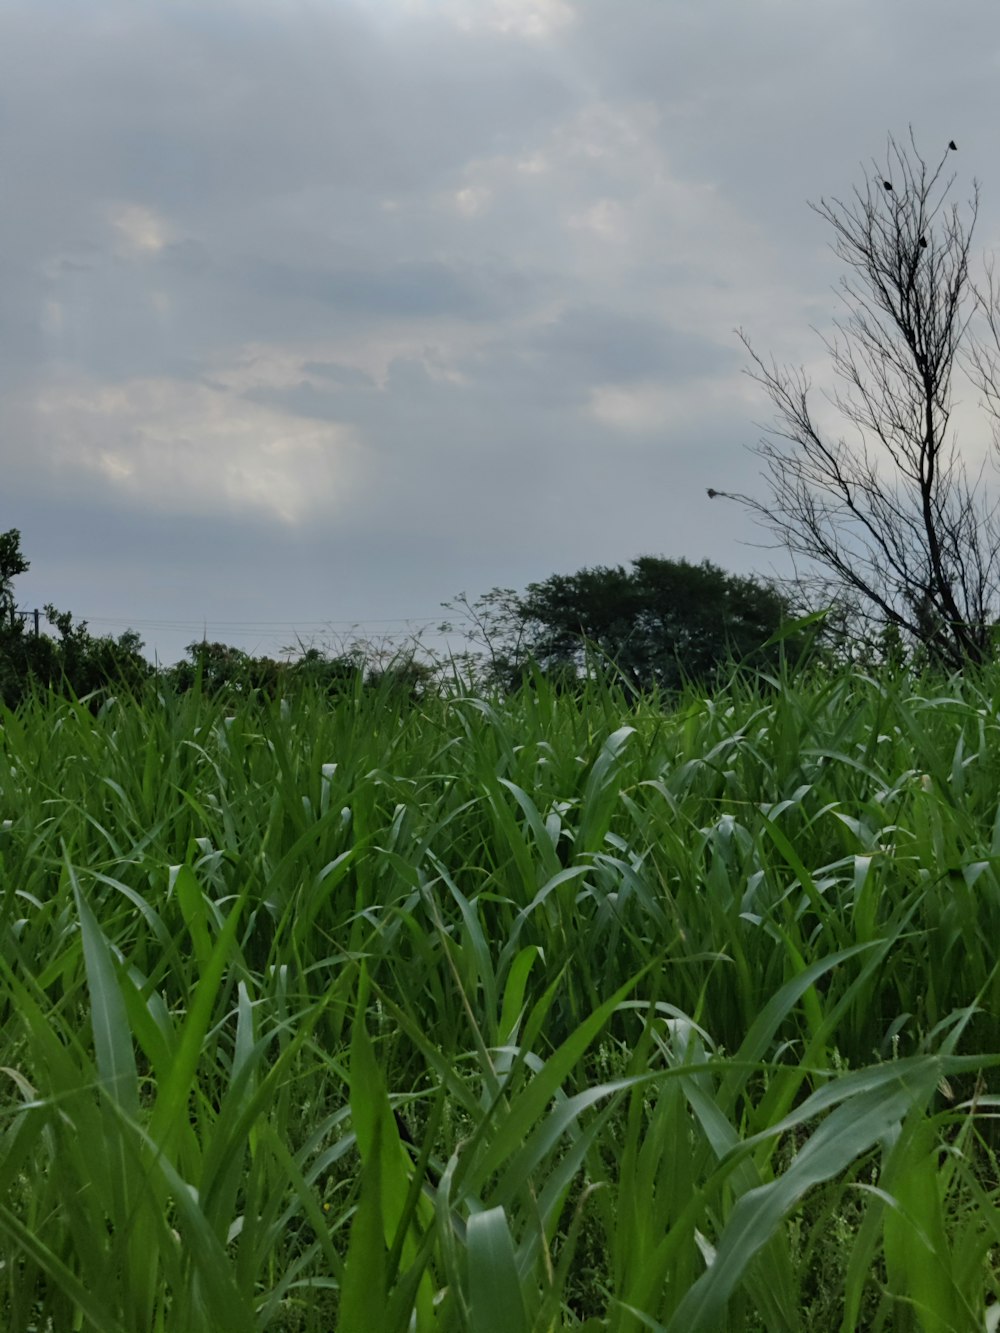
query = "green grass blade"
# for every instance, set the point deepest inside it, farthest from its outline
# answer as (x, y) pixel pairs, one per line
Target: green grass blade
(496, 1302)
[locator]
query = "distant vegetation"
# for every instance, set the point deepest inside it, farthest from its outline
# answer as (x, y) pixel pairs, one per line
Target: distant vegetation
(79, 664)
(76, 659)
(661, 625)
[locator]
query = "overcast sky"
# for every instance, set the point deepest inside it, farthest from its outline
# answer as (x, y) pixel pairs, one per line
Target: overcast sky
(318, 312)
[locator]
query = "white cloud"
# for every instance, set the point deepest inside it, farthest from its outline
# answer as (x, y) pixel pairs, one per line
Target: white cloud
(140, 230)
(631, 408)
(638, 409)
(526, 18)
(178, 447)
(624, 133)
(473, 200)
(535, 164)
(605, 219)
(534, 20)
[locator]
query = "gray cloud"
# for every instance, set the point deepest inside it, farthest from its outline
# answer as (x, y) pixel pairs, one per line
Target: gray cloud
(412, 289)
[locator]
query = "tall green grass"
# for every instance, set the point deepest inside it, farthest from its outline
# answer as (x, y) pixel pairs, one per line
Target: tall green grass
(468, 1014)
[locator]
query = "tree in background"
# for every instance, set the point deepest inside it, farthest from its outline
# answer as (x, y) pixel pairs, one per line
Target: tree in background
(889, 517)
(496, 624)
(13, 647)
(12, 563)
(660, 624)
(85, 665)
(77, 661)
(219, 668)
(89, 662)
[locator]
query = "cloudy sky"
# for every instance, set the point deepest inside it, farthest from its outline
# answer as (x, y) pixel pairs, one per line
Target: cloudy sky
(314, 313)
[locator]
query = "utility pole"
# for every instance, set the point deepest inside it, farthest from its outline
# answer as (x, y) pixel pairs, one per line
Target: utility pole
(34, 613)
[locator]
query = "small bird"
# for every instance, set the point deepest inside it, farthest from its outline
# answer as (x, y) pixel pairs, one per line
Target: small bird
(712, 494)
(887, 186)
(923, 242)
(953, 145)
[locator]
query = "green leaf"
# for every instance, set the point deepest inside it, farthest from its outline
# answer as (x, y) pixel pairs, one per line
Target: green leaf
(528, 1107)
(513, 994)
(495, 1299)
(362, 1291)
(90, 1305)
(375, 1126)
(191, 900)
(841, 1138)
(112, 1034)
(174, 1091)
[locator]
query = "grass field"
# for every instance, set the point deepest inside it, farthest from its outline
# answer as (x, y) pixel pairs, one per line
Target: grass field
(500, 1016)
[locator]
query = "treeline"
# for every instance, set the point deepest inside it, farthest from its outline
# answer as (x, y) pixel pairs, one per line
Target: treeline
(656, 626)
(78, 663)
(68, 659)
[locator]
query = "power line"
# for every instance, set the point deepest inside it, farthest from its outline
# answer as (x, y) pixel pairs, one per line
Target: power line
(275, 625)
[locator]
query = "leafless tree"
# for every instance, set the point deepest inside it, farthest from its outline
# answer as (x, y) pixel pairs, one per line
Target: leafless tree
(497, 625)
(891, 519)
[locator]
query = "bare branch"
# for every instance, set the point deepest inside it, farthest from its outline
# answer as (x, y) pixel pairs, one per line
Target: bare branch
(892, 518)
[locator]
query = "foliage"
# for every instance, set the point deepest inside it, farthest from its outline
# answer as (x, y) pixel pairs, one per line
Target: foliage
(77, 661)
(659, 625)
(495, 622)
(888, 516)
(529, 1014)
(218, 668)
(662, 624)
(334, 675)
(86, 665)
(12, 563)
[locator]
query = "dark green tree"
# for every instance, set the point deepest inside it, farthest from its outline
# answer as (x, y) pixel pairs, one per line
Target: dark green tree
(220, 668)
(77, 661)
(18, 651)
(658, 624)
(87, 662)
(661, 623)
(332, 675)
(12, 563)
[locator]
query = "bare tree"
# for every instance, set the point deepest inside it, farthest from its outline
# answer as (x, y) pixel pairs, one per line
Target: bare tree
(891, 519)
(497, 625)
